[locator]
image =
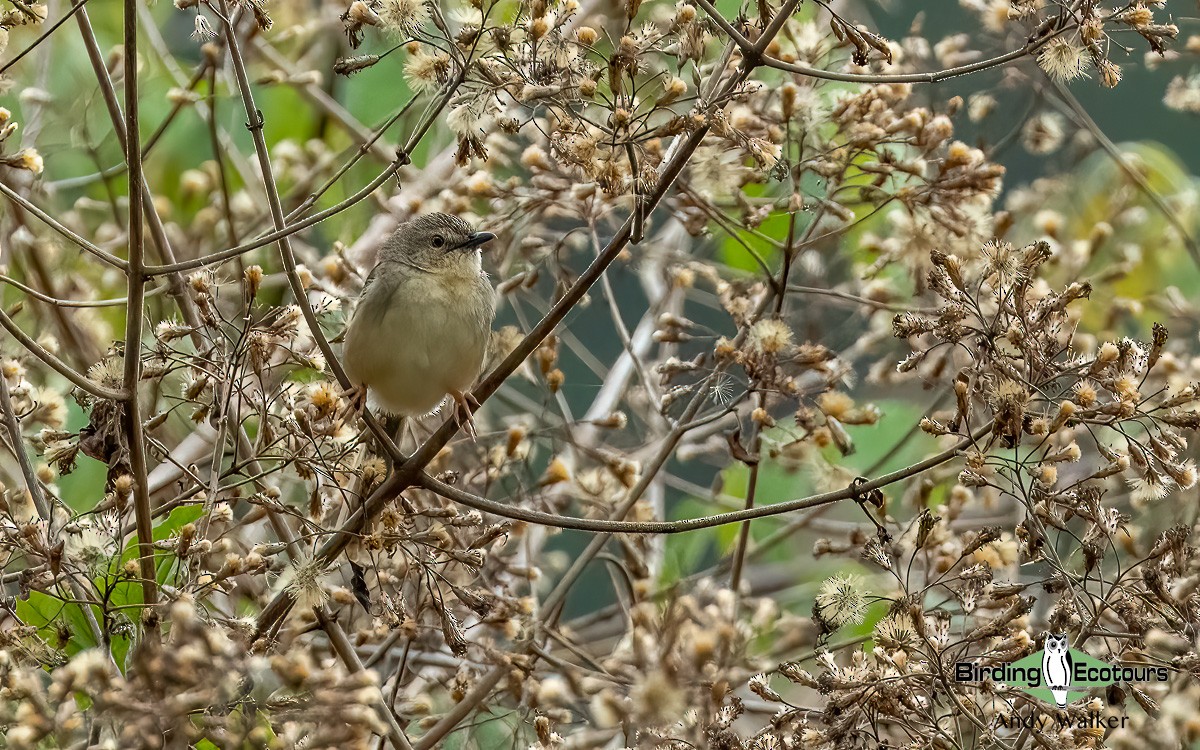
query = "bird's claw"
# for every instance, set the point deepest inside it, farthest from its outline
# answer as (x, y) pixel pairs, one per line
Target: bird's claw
(464, 405)
(356, 397)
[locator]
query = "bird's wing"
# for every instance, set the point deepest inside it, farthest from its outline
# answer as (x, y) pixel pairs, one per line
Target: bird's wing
(374, 274)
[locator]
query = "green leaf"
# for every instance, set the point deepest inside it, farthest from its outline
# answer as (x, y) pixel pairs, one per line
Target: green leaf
(46, 613)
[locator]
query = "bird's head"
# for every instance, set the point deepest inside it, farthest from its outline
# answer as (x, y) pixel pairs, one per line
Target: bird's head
(436, 242)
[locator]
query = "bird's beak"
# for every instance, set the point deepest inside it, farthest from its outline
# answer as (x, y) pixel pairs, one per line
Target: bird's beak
(476, 239)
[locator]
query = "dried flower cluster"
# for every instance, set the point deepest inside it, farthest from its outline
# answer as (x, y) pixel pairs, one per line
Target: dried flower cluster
(712, 232)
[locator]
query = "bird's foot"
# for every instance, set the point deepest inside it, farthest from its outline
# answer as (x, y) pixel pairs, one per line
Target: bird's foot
(464, 405)
(356, 398)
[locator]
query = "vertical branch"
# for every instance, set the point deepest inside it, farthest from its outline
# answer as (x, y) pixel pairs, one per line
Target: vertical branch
(13, 425)
(337, 636)
(132, 413)
(279, 221)
(158, 232)
(743, 541)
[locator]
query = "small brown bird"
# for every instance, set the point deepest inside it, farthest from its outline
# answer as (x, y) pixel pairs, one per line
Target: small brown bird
(421, 328)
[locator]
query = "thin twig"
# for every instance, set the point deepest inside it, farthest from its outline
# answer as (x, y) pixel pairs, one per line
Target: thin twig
(57, 302)
(132, 413)
(62, 368)
(555, 520)
(1081, 116)
(43, 36)
(32, 485)
(279, 234)
(941, 75)
(40, 504)
(54, 224)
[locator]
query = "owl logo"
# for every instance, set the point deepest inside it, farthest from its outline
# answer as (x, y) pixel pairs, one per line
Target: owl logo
(1057, 667)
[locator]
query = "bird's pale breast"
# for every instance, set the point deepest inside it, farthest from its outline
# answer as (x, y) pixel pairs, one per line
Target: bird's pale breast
(418, 337)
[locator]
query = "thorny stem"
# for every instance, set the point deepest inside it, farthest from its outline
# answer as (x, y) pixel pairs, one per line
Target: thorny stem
(132, 412)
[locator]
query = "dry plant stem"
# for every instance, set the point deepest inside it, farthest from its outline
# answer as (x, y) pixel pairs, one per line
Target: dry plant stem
(54, 224)
(505, 510)
(132, 414)
(79, 347)
(315, 94)
(845, 296)
(337, 635)
(56, 364)
(994, 62)
(44, 35)
(57, 302)
(18, 446)
(641, 341)
(755, 53)
(777, 21)
(738, 38)
(279, 234)
(158, 232)
(614, 309)
(739, 553)
(150, 30)
(83, 180)
(1081, 116)
(34, 488)
(214, 139)
(345, 651)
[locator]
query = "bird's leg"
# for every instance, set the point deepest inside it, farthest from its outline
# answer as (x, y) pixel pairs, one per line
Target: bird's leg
(464, 404)
(357, 396)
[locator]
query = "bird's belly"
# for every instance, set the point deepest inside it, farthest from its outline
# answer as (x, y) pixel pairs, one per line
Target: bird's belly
(423, 349)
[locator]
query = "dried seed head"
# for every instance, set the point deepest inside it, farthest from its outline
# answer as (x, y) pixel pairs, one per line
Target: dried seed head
(840, 601)
(1063, 60)
(769, 336)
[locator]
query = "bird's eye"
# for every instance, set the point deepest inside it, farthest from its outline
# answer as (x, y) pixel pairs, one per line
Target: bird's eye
(438, 240)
